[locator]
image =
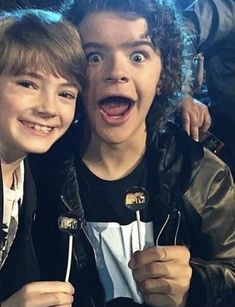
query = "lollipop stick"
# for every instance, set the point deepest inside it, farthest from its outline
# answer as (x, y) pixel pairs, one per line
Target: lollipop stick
(69, 258)
(139, 229)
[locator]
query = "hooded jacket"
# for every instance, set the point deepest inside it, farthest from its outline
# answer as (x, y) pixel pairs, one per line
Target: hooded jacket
(188, 182)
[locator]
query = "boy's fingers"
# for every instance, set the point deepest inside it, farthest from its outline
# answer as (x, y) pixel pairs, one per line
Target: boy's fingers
(54, 299)
(49, 287)
(163, 253)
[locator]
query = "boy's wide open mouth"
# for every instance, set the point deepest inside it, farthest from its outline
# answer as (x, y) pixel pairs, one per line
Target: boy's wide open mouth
(116, 106)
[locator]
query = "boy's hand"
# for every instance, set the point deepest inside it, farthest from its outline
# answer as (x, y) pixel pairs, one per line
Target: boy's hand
(195, 117)
(162, 275)
(42, 294)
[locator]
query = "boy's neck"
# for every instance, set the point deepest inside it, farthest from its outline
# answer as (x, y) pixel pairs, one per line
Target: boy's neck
(114, 161)
(8, 170)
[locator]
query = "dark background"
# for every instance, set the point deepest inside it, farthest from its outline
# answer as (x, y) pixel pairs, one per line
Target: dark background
(12, 4)
(55, 4)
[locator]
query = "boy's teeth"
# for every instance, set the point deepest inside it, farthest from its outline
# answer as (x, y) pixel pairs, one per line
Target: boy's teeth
(30, 125)
(39, 127)
(42, 128)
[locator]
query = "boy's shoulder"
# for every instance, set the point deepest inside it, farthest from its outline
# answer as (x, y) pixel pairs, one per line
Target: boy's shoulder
(177, 145)
(175, 142)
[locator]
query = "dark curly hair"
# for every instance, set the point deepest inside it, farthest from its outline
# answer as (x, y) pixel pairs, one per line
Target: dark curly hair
(165, 31)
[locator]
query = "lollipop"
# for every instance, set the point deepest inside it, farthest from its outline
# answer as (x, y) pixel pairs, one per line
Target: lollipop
(136, 199)
(70, 224)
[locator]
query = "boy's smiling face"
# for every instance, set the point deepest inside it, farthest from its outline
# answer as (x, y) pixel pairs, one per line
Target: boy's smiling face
(36, 109)
(123, 73)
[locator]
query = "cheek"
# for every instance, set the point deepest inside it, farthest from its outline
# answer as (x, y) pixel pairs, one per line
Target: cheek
(90, 95)
(93, 80)
(92, 72)
(155, 74)
(152, 82)
(68, 116)
(9, 105)
(87, 92)
(149, 87)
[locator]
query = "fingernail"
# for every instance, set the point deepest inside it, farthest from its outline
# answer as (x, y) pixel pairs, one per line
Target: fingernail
(131, 264)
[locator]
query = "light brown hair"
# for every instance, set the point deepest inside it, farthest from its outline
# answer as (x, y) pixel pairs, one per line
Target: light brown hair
(39, 39)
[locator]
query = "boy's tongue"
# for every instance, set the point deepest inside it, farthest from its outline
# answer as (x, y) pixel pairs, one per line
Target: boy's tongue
(115, 106)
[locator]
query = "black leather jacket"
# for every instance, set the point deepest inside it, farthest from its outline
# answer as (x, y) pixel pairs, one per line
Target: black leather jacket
(189, 180)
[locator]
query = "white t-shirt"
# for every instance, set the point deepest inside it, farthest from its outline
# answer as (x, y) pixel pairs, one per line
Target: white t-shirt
(12, 202)
(114, 244)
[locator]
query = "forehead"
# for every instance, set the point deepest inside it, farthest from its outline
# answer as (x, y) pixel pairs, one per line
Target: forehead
(36, 64)
(112, 28)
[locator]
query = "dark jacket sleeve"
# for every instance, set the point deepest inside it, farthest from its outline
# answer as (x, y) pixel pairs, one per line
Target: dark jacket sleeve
(212, 198)
(206, 23)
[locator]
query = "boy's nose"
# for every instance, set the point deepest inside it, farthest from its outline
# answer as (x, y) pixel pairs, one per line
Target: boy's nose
(46, 107)
(116, 71)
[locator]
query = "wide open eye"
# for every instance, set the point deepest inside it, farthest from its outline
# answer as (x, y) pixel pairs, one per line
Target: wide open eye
(94, 57)
(137, 57)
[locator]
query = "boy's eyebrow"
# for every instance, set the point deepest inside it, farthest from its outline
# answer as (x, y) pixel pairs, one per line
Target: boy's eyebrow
(137, 43)
(128, 44)
(31, 74)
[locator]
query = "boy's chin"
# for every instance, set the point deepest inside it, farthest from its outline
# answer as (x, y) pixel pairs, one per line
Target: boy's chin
(40, 149)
